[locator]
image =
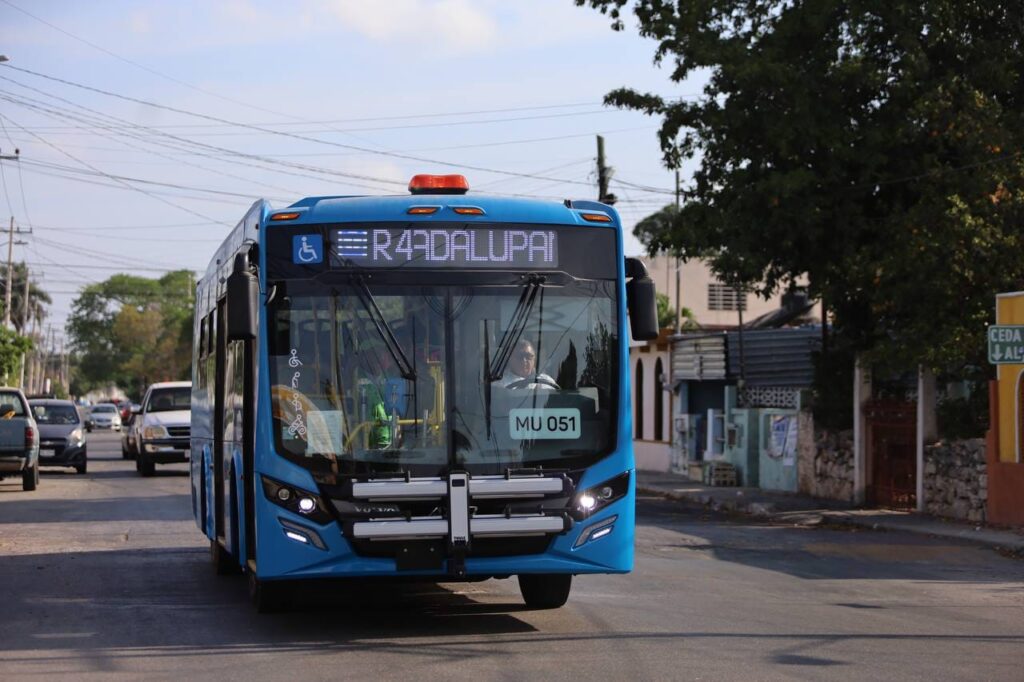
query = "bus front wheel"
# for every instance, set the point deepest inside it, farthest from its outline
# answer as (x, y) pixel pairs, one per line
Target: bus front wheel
(545, 590)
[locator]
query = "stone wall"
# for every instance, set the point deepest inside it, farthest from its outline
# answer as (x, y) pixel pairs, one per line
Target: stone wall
(825, 462)
(956, 479)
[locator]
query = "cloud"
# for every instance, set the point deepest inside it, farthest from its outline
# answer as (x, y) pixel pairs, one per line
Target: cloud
(454, 25)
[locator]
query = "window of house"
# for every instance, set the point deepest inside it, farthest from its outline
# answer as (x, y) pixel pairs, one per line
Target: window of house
(724, 297)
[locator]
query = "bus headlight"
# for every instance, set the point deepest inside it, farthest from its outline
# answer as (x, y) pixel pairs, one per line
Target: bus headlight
(296, 500)
(595, 498)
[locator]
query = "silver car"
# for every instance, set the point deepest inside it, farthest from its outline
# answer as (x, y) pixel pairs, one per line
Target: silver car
(104, 416)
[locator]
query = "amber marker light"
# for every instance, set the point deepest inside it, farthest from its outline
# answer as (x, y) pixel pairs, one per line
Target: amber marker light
(596, 217)
(285, 216)
(468, 210)
(423, 210)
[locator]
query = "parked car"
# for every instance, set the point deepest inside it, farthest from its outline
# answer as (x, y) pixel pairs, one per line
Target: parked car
(61, 434)
(19, 439)
(104, 416)
(164, 426)
(130, 433)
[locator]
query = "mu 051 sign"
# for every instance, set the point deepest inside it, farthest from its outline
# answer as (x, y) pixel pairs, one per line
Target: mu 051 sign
(557, 423)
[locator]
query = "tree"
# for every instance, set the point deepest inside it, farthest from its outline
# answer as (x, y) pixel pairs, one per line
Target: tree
(667, 314)
(872, 147)
(128, 330)
(12, 346)
(38, 299)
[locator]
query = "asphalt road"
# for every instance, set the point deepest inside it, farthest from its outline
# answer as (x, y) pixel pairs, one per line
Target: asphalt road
(105, 576)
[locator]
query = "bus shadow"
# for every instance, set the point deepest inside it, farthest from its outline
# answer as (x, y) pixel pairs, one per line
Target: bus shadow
(102, 615)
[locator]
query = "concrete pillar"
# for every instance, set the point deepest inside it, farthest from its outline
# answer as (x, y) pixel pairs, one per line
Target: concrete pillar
(861, 394)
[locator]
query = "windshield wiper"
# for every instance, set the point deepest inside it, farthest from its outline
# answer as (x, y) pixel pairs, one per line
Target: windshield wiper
(495, 369)
(520, 316)
(366, 298)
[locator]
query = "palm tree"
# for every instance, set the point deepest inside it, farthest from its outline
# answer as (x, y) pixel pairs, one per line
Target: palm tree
(38, 299)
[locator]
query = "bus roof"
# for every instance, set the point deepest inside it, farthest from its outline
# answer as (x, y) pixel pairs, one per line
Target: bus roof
(330, 209)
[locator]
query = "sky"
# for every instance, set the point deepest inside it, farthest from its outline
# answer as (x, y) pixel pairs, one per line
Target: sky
(146, 129)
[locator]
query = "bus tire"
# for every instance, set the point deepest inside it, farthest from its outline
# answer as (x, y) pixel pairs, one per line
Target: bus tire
(267, 596)
(223, 561)
(145, 465)
(545, 590)
(30, 478)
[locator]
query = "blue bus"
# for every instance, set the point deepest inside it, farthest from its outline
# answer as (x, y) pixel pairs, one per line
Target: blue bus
(428, 386)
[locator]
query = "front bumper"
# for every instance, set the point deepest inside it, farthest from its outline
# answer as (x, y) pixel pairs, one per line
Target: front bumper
(61, 456)
(167, 450)
(292, 545)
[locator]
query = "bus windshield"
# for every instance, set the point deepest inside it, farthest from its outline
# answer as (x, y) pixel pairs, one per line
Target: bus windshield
(396, 376)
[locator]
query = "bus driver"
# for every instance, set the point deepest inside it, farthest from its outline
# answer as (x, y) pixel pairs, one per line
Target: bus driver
(522, 370)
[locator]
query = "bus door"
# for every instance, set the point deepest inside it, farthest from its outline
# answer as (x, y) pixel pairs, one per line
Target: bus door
(221, 446)
(234, 440)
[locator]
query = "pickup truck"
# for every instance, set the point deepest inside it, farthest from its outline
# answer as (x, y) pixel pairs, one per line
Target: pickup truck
(19, 439)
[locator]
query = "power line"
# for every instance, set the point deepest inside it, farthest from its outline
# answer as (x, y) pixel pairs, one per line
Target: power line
(446, 124)
(305, 138)
(104, 267)
(272, 164)
(187, 126)
(126, 178)
(87, 165)
(140, 66)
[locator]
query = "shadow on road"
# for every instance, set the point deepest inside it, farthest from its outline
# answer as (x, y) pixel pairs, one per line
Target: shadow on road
(176, 507)
(169, 599)
(821, 553)
(167, 603)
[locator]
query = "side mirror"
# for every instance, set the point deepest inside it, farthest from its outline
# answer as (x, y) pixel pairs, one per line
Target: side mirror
(641, 301)
(242, 299)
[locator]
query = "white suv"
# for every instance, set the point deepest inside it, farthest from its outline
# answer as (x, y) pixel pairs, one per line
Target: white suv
(164, 426)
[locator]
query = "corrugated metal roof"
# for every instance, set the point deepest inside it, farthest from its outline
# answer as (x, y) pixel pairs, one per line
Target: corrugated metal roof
(697, 357)
(775, 357)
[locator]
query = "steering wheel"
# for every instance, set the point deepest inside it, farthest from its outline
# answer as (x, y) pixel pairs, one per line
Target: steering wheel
(527, 381)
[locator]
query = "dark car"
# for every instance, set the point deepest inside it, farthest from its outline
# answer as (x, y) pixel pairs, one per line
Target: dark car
(61, 434)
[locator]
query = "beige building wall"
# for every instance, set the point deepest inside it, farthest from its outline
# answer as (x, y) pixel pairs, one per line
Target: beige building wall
(651, 453)
(694, 283)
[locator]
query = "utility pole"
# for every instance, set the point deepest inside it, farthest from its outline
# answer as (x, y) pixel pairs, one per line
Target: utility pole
(679, 300)
(604, 175)
(10, 240)
(24, 328)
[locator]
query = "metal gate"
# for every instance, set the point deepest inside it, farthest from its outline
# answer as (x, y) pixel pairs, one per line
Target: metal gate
(892, 453)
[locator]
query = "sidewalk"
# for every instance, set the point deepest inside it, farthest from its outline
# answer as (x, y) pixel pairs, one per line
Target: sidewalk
(804, 510)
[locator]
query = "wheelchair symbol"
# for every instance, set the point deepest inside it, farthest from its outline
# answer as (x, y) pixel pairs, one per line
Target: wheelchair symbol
(307, 249)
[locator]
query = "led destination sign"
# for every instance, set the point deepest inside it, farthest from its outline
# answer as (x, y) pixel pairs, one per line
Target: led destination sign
(446, 247)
